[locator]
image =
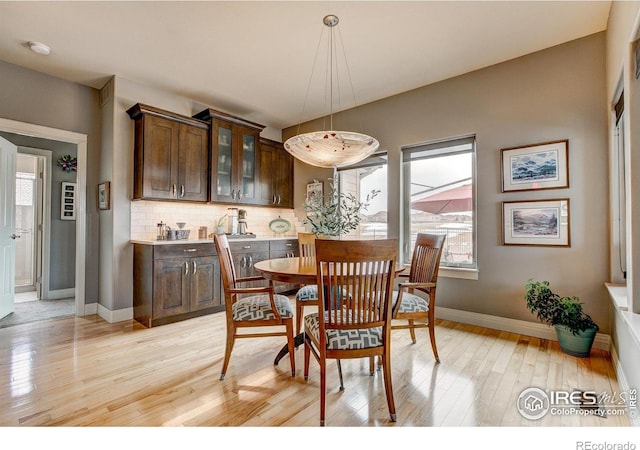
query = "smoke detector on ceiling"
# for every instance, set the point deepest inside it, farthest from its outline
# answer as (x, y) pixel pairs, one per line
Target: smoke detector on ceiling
(39, 48)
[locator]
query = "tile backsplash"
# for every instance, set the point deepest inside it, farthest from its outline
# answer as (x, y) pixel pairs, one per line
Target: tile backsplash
(145, 216)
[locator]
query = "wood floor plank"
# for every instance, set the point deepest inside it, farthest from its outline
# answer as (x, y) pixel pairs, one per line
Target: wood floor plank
(83, 371)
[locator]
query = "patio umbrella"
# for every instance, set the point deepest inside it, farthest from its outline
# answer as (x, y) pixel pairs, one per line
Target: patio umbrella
(457, 199)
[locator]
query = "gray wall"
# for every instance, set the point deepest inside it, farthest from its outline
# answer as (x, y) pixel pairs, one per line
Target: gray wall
(32, 97)
(553, 94)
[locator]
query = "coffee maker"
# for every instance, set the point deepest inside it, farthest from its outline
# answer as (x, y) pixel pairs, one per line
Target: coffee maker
(242, 221)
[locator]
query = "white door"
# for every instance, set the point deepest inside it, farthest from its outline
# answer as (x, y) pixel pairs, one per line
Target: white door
(8, 154)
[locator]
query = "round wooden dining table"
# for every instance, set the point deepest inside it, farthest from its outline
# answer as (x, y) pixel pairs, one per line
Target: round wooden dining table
(296, 270)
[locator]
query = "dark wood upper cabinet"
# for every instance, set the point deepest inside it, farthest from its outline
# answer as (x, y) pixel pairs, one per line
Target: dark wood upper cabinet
(276, 175)
(235, 159)
(171, 159)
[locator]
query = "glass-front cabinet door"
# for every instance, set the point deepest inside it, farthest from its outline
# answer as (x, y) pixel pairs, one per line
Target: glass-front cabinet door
(224, 178)
(248, 179)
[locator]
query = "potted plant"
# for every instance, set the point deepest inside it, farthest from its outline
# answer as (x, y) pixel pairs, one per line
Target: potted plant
(575, 329)
(339, 214)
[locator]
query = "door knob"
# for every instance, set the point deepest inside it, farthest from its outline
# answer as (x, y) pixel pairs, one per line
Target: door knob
(15, 236)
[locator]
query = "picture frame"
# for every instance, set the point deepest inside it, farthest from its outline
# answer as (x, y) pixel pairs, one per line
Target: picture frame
(543, 223)
(68, 201)
(315, 189)
(534, 167)
(104, 194)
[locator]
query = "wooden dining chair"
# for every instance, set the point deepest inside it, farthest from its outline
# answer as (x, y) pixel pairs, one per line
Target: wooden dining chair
(307, 295)
(423, 276)
(354, 308)
(262, 308)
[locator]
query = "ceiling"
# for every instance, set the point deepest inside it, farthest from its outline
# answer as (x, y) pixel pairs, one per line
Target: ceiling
(255, 59)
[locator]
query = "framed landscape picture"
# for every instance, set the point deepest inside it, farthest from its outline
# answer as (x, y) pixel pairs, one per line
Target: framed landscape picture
(536, 222)
(538, 166)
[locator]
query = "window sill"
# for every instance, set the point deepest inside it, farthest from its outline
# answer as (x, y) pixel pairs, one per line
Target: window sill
(454, 272)
(618, 295)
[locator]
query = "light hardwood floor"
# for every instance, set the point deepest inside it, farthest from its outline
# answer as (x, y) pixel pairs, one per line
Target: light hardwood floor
(87, 372)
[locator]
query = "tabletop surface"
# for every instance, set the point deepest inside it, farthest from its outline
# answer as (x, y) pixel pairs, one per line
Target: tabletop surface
(296, 269)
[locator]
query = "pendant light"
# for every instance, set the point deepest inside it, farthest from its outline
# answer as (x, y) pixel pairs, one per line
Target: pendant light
(331, 148)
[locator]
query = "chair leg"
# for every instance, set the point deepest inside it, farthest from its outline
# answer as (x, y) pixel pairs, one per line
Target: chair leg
(307, 355)
(372, 364)
(388, 388)
(340, 374)
(292, 355)
(323, 387)
(412, 330)
(299, 313)
(231, 336)
(432, 336)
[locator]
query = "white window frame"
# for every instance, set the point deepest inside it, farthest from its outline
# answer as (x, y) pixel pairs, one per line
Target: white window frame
(430, 150)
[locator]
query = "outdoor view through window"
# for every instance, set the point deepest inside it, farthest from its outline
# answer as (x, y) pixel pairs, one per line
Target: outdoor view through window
(360, 180)
(438, 193)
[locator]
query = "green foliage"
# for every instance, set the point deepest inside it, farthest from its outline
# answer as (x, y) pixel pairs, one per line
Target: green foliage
(340, 214)
(552, 309)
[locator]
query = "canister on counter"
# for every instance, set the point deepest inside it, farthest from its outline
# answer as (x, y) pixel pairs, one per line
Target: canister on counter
(202, 233)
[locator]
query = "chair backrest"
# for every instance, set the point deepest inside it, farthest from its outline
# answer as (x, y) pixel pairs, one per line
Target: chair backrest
(425, 262)
(227, 269)
(357, 276)
(307, 244)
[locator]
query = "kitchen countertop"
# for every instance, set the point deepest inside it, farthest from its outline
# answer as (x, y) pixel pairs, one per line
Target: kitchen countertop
(207, 241)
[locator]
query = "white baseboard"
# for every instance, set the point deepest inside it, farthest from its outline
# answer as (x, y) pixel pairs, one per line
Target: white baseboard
(61, 293)
(118, 315)
(90, 308)
(534, 329)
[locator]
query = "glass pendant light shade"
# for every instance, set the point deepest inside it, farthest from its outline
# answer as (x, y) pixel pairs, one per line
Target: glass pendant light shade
(331, 149)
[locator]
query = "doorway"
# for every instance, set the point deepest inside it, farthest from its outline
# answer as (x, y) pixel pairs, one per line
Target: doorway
(79, 141)
(30, 224)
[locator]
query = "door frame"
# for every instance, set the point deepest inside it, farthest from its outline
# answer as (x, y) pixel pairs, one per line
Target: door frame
(80, 140)
(44, 236)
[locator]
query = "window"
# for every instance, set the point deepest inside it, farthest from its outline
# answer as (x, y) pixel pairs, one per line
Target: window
(620, 229)
(439, 198)
(359, 180)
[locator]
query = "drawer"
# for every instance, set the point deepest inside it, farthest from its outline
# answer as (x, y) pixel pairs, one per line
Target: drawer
(184, 250)
(249, 247)
(286, 245)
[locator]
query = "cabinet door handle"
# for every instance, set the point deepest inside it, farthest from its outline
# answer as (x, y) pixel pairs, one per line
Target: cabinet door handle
(189, 250)
(233, 194)
(195, 267)
(239, 195)
(243, 262)
(186, 268)
(182, 190)
(173, 190)
(273, 199)
(279, 198)
(250, 261)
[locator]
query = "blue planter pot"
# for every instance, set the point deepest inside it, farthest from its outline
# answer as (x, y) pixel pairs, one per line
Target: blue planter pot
(578, 345)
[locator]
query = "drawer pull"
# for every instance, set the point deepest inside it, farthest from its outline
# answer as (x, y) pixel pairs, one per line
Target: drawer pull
(246, 247)
(190, 250)
(289, 245)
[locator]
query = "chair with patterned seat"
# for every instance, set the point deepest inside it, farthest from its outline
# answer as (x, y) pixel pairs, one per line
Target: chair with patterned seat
(353, 318)
(423, 276)
(306, 295)
(251, 307)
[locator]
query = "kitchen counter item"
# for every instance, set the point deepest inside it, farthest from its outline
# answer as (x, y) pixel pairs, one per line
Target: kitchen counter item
(280, 225)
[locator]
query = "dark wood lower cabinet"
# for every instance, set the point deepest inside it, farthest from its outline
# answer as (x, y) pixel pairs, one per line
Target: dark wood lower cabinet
(175, 282)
